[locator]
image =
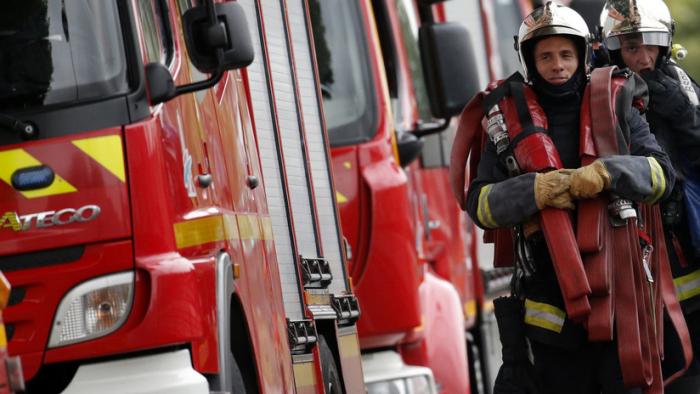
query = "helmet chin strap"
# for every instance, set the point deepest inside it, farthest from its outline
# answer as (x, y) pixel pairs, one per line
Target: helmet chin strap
(571, 89)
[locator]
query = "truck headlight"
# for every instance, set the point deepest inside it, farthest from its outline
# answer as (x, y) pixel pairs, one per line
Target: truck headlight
(409, 385)
(93, 309)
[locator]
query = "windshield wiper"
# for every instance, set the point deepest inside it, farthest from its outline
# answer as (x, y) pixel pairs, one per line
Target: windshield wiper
(25, 130)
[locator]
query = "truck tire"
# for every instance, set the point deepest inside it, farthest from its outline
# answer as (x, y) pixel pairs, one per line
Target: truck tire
(476, 368)
(237, 384)
(329, 370)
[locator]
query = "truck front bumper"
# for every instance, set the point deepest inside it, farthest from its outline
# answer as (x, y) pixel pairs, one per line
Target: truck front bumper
(170, 373)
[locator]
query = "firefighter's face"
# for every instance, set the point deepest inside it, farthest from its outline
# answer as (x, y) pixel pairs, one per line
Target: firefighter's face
(638, 57)
(556, 59)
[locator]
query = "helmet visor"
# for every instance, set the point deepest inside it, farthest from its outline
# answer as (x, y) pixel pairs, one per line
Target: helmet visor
(662, 39)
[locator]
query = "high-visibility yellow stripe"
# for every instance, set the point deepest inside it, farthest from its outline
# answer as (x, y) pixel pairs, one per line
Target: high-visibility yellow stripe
(107, 151)
(544, 315)
(16, 159)
(349, 346)
(484, 211)
(687, 286)
(199, 231)
(249, 227)
(687, 278)
(221, 227)
(540, 306)
(267, 234)
(658, 182)
(542, 323)
(304, 374)
(347, 165)
(231, 227)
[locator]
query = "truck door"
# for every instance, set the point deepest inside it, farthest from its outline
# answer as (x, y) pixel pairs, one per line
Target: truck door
(373, 196)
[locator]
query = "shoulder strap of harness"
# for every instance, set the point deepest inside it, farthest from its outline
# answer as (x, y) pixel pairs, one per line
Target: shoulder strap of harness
(501, 91)
(513, 87)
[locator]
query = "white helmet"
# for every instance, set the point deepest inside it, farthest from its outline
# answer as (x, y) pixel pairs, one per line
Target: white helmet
(649, 20)
(549, 20)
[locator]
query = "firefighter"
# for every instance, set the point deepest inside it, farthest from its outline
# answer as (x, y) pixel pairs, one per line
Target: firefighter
(552, 45)
(638, 35)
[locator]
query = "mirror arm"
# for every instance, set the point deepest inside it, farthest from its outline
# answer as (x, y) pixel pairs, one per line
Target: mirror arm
(213, 80)
(431, 128)
(425, 13)
(219, 73)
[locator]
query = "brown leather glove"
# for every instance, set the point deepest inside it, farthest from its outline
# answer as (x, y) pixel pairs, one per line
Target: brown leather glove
(588, 181)
(552, 190)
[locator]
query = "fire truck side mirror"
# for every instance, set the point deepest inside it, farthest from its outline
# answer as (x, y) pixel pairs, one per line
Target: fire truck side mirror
(448, 64)
(161, 87)
(217, 39)
(230, 34)
(409, 146)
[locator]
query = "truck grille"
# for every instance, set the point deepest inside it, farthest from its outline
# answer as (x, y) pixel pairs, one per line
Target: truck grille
(43, 258)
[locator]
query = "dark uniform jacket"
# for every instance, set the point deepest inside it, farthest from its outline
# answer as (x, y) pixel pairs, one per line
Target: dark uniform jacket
(510, 201)
(674, 118)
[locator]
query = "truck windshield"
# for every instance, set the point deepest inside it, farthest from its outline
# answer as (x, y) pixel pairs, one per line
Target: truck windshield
(344, 71)
(58, 51)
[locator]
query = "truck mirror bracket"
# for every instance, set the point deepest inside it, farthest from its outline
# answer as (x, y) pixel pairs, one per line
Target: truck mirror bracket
(217, 39)
(431, 128)
(409, 146)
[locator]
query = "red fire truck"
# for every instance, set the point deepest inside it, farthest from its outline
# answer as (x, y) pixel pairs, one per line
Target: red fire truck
(167, 208)
(393, 78)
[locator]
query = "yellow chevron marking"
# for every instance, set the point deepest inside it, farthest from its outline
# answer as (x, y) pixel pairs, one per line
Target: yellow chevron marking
(349, 346)
(107, 151)
(347, 165)
(340, 198)
(304, 374)
(15, 159)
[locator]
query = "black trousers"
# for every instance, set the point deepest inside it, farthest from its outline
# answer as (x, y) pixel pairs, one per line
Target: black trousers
(690, 382)
(595, 369)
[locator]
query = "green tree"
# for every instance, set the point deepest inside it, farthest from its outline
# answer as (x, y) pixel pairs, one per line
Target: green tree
(686, 14)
